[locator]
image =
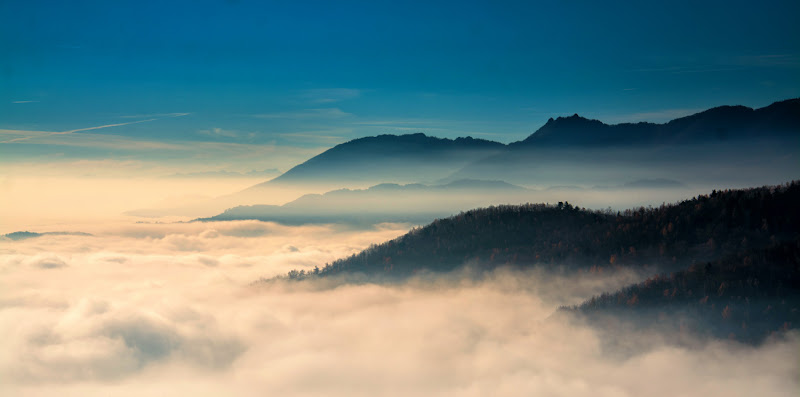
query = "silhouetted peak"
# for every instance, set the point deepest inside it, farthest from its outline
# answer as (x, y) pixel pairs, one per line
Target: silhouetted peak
(571, 127)
(726, 111)
(420, 138)
(377, 157)
(788, 109)
(718, 123)
(575, 119)
(788, 103)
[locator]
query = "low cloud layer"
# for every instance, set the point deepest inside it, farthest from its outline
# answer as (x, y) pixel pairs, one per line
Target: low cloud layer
(170, 309)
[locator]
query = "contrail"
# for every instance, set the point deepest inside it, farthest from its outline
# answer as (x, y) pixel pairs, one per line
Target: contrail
(25, 138)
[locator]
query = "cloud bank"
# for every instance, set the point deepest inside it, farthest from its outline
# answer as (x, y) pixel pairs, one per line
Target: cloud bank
(170, 309)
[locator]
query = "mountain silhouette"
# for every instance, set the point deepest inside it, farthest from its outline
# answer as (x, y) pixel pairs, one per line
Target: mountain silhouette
(748, 296)
(726, 145)
(716, 124)
(706, 227)
(734, 257)
(723, 146)
(388, 158)
(24, 235)
(387, 202)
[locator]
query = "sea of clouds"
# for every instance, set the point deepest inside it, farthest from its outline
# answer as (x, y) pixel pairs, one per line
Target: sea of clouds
(172, 309)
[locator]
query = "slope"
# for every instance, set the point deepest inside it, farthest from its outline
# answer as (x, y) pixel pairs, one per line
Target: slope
(412, 203)
(387, 158)
(706, 227)
(748, 297)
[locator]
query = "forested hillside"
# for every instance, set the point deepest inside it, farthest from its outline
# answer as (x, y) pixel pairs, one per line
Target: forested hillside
(705, 228)
(747, 296)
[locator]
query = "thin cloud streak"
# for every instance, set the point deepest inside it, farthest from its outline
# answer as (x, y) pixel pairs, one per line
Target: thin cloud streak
(153, 115)
(44, 134)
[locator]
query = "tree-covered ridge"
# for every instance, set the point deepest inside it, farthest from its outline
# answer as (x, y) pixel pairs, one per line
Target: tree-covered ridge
(706, 227)
(747, 296)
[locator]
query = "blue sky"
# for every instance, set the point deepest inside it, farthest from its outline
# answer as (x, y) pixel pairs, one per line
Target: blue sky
(312, 74)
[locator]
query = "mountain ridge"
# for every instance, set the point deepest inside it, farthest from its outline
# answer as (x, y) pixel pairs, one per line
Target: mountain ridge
(724, 264)
(386, 202)
(373, 152)
(419, 158)
(710, 225)
(717, 123)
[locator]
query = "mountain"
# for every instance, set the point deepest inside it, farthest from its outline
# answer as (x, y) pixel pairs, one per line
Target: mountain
(658, 183)
(734, 257)
(723, 146)
(730, 146)
(706, 228)
(24, 235)
(716, 124)
(387, 202)
(387, 158)
(360, 163)
(748, 297)
(655, 183)
(576, 130)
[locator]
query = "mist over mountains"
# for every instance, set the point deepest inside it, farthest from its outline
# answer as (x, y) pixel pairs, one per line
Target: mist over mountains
(392, 158)
(388, 158)
(751, 236)
(399, 199)
(723, 147)
(748, 296)
(419, 204)
(388, 202)
(707, 277)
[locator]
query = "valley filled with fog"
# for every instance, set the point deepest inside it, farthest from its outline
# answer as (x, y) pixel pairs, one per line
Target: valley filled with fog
(434, 199)
(177, 309)
(504, 270)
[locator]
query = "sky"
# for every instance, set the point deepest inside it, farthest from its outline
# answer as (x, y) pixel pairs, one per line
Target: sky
(112, 106)
(308, 75)
(127, 104)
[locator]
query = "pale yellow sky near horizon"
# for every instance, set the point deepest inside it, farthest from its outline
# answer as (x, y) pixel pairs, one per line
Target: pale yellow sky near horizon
(43, 203)
(51, 192)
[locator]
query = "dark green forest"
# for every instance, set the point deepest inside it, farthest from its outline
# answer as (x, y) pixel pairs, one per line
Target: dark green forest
(670, 237)
(748, 296)
(728, 262)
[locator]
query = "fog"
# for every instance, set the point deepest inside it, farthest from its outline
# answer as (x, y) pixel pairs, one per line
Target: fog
(36, 200)
(721, 165)
(172, 309)
(421, 204)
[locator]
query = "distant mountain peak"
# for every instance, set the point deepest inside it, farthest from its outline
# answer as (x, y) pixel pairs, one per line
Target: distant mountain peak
(564, 119)
(714, 124)
(575, 119)
(390, 158)
(418, 138)
(575, 127)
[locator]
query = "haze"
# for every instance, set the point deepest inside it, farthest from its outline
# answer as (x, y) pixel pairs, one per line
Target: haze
(164, 166)
(171, 309)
